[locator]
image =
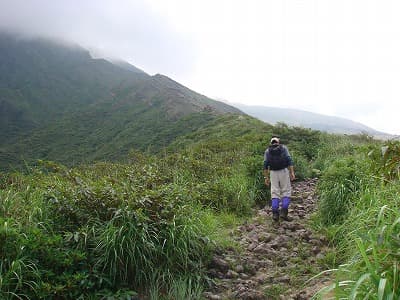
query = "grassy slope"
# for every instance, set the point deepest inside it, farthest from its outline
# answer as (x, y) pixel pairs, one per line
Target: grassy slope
(99, 135)
(58, 103)
(188, 195)
(76, 225)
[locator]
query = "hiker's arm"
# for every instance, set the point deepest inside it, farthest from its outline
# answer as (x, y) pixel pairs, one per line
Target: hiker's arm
(290, 164)
(266, 169)
(291, 172)
(266, 176)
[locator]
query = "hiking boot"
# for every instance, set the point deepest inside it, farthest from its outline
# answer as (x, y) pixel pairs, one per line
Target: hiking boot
(275, 216)
(284, 215)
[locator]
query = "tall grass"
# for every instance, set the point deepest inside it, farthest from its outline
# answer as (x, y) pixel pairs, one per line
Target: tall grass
(131, 251)
(186, 288)
(124, 249)
(18, 276)
(373, 272)
(361, 210)
(341, 183)
(107, 232)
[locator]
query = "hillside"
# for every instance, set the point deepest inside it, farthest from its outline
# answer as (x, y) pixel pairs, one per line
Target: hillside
(147, 226)
(58, 103)
(181, 225)
(294, 117)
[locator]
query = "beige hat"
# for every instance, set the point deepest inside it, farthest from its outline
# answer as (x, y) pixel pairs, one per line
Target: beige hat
(275, 140)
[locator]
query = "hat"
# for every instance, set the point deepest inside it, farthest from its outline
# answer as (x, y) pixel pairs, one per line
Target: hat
(275, 140)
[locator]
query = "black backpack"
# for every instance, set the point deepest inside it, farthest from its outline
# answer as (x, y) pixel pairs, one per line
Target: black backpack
(277, 158)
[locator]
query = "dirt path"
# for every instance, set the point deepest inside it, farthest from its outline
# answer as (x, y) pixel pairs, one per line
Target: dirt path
(277, 260)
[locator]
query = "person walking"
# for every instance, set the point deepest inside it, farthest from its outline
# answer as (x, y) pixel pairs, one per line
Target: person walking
(279, 171)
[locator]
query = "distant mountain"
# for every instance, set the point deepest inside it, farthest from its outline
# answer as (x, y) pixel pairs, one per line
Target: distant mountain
(294, 117)
(58, 103)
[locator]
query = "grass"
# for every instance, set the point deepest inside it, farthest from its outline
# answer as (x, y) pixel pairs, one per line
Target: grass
(113, 229)
(186, 288)
(275, 291)
(220, 226)
(19, 274)
(364, 227)
(374, 269)
(109, 227)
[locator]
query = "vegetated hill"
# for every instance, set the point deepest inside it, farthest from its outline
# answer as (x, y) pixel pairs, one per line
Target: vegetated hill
(58, 103)
(162, 217)
(294, 117)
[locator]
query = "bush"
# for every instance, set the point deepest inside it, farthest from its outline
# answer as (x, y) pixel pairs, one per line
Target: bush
(302, 166)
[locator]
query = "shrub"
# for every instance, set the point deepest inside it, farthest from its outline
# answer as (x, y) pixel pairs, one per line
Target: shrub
(386, 161)
(302, 166)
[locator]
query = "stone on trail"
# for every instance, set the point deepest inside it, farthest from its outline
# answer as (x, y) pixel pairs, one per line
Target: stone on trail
(271, 252)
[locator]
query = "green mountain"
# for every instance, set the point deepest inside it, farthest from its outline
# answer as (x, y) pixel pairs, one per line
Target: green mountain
(59, 103)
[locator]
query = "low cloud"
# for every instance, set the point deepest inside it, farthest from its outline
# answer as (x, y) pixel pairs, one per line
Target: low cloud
(130, 30)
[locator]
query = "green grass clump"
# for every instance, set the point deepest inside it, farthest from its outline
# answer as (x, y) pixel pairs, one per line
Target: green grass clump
(373, 272)
(340, 185)
(360, 212)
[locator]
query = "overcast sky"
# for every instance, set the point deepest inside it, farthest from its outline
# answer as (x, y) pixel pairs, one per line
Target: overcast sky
(336, 57)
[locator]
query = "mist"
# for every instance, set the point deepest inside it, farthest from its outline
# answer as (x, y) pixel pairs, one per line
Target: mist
(128, 30)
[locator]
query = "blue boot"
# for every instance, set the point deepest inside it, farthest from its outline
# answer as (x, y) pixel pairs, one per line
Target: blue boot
(285, 209)
(275, 209)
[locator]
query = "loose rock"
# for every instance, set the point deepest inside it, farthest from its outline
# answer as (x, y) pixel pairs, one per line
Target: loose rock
(270, 253)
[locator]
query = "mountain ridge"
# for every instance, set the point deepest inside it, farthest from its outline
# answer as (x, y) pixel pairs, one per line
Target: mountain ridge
(297, 117)
(58, 102)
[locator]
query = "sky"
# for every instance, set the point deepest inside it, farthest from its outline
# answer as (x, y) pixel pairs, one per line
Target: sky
(339, 58)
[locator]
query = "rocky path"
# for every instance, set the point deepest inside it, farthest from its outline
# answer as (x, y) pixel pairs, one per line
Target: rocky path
(276, 260)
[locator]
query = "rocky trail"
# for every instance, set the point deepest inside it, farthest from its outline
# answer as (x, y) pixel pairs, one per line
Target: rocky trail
(276, 261)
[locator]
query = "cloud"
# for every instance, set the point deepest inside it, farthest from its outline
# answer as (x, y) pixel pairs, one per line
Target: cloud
(122, 29)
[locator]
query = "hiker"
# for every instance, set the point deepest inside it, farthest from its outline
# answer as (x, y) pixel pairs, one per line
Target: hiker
(279, 171)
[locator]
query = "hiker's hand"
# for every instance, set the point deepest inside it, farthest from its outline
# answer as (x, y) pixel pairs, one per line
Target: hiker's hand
(292, 176)
(266, 181)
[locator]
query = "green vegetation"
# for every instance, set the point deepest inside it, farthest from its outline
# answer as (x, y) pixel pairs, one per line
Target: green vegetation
(146, 226)
(149, 225)
(148, 177)
(58, 103)
(359, 211)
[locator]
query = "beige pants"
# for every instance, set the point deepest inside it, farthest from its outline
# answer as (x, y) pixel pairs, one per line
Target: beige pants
(280, 183)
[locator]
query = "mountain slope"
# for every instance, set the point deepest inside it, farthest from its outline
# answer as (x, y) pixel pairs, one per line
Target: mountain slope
(306, 119)
(57, 102)
(41, 81)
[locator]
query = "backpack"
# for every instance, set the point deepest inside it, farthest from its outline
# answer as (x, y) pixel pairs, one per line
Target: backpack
(277, 158)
